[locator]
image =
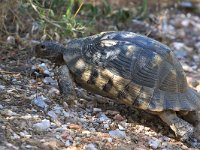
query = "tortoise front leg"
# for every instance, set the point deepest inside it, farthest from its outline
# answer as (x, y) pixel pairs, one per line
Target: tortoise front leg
(182, 129)
(66, 84)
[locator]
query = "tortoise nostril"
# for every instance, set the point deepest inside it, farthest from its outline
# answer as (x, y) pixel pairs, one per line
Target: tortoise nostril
(42, 46)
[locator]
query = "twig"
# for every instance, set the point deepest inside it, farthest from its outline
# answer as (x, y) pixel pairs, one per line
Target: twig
(7, 72)
(79, 8)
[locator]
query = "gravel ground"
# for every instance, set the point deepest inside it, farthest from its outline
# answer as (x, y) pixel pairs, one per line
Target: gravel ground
(33, 115)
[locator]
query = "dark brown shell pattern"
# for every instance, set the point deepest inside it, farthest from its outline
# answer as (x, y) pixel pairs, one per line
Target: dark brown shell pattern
(134, 70)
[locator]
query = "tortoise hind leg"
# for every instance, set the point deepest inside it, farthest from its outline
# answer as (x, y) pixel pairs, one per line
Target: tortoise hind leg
(182, 129)
(194, 118)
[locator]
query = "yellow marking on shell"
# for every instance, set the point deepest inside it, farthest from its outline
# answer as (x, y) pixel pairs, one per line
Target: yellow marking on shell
(130, 50)
(100, 81)
(157, 60)
(145, 96)
(119, 84)
(134, 90)
(80, 64)
(86, 75)
(108, 43)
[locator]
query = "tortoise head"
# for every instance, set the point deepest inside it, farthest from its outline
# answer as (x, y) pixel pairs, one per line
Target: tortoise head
(50, 50)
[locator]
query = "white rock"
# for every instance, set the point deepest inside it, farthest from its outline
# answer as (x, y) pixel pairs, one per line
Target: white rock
(2, 87)
(42, 126)
(25, 134)
(11, 40)
(68, 143)
(15, 136)
(109, 140)
(197, 44)
(1, 107)
(8, 112)
(90, 147)
(106, 126)
(40, 102)
(49, 80)
(185, 22)
(31, 147)
(97, 110)
(92, 129)
(54, 91)
(186, 67)
(58, 109)
(196, 58)
(154, 143)
(178, 45)
(121, 127)
(180, 53)
(185, 4)
(103, 118)
(52, 115)
(67, 114)
(44, 68)
(117, 134)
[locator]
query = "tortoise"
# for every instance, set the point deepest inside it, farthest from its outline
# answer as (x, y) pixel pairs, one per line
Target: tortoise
(129, 68)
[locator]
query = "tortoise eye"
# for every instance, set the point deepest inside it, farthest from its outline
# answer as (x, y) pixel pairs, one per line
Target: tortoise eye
(42, 46)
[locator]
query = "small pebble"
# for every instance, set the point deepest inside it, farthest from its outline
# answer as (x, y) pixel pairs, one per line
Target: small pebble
(178, 45)
(74, 126)
(68, 143)
(58, 109)
(2, 87)
(49, 80)
(180, 53)
(154, 143)
(187, 68)
(40, 102)
(15, 136)
(109, 140)
(52, 115)
(45, 68)
(11, 40)
(103, 118)
(194, 83)
(196, 58)
(42, 126)
(122, 148)
(118, 117)
(90, 147)
(97, 110)
(121, 128)
(8, 112)
(25, 134)
(106, 126)
(1, 107)
(117, 134)
(198, 88)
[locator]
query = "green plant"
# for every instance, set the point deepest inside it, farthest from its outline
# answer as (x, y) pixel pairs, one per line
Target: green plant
(142, 12)
(56, 15)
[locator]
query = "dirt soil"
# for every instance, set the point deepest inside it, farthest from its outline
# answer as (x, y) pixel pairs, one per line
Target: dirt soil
(33, 116)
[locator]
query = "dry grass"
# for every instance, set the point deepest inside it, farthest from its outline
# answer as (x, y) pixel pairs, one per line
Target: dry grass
(8, 9)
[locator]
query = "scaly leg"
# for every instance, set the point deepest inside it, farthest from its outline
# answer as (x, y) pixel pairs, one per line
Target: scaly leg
(182, 129)
(66, 84)
(194, 118)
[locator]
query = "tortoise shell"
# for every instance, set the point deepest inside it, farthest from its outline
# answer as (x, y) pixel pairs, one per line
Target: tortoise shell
(133, 69)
